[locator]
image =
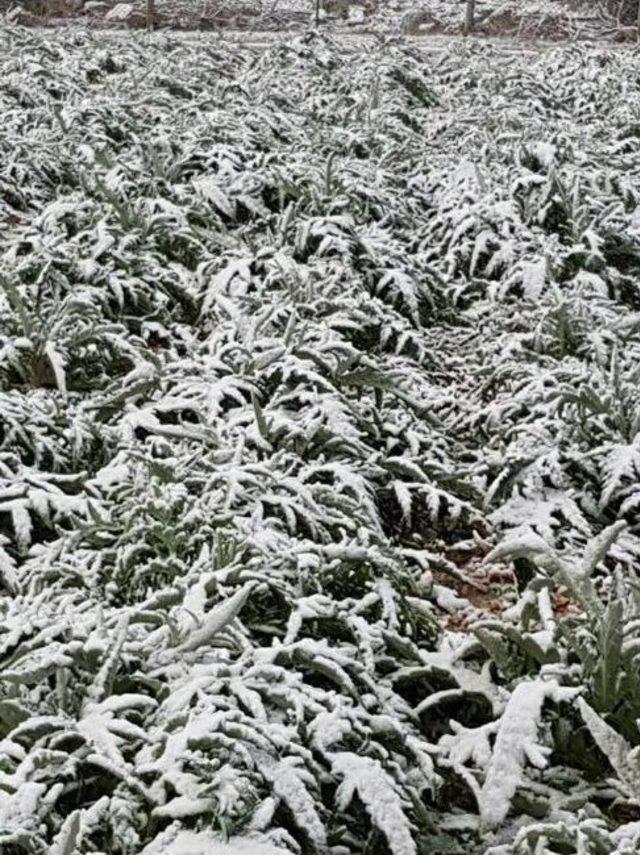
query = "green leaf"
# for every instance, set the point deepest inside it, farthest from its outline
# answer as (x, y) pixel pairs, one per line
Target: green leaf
(607, 672)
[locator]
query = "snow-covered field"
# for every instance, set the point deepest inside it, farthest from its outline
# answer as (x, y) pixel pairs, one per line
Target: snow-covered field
(319, 448)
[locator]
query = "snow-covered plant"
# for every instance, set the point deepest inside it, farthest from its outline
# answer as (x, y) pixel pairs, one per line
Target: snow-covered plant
(295, 354)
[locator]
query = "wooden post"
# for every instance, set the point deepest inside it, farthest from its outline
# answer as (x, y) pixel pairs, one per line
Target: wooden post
(470, 19)
(151, 14)
(318, 13)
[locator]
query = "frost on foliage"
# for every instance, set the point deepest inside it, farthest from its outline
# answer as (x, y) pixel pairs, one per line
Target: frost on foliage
(516, 743)
(271, 388)
(620, 464)
(290, 785)
(365, 778)
(175, 842)
(217, 619)
(623, 758)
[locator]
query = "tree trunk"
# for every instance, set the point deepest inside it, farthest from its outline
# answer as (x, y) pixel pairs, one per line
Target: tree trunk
(638, 23)
(470, 19)
(317, 13)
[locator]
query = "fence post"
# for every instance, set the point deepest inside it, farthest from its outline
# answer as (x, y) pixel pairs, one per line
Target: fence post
(151, 14)
(470, 18)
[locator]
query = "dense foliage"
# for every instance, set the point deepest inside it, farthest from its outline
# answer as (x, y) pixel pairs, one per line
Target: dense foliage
(296, 346)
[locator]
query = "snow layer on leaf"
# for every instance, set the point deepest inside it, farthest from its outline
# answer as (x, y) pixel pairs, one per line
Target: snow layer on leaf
(516, 743)
(208, 843)
(377, 791)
